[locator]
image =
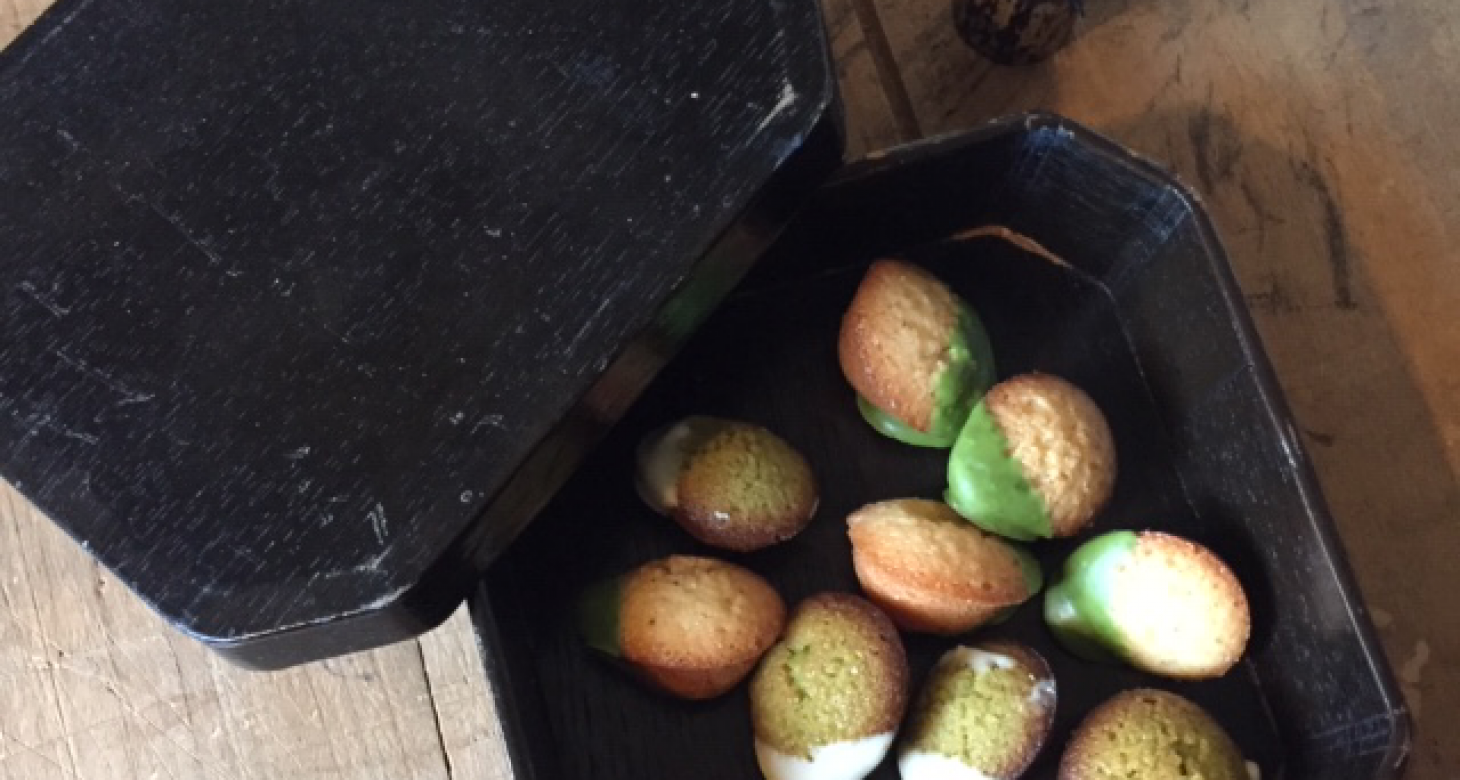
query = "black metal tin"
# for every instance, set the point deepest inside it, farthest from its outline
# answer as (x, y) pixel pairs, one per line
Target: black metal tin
(307, 307)
(1147, 318)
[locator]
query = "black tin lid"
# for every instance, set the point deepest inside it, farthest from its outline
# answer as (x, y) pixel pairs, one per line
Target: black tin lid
(308, 306)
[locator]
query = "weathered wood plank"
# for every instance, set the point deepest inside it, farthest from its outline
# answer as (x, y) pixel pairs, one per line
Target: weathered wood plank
(465, 717)
(872, 121)
(16, 15)
(96, 686)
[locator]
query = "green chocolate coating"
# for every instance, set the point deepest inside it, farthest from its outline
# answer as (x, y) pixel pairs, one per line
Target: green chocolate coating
(598, 615)
(988, 487)
(1077, 605)
(893, 428)
(968, 374)
(1033, 578)
(1033, 575)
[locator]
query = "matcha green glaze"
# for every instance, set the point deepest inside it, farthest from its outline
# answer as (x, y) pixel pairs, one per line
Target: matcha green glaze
(987, 486)
(1003, 616)
(1076, 606)
(893, 428)
(1033, 579)
(598, 615)
(1033, 575)
(968, 374)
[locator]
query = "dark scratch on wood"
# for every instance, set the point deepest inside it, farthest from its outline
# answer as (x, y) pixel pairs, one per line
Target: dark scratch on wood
(852, 52)
(1333, 228)
(950, 92)
(50, 679)
(1338, 48)
(334, 667)
(1275, 299)
(1178, 19)
(1215, 146)
(1264, 216)
(1319, 437)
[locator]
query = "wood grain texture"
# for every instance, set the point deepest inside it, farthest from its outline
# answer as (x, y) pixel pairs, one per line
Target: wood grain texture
(1317, 132)
(466, 721)
(16, 15)
(871, 122)
(95, 686)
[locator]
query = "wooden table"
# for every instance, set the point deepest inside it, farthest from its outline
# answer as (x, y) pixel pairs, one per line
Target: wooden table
(1318, 131)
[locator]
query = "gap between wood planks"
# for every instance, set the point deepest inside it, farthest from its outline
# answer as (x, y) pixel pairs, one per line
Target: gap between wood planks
(435, 710)
(889, 75)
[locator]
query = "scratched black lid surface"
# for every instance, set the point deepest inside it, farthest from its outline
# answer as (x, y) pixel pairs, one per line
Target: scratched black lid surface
(307, 307)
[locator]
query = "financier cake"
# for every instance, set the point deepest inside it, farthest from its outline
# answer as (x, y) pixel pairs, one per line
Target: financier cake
(916, 354)
(827, 699)
(691, 626)
(983, 714)
(729, 484)
(932, 571)
(1146, 734)
(1159, 602)
(1035, 459)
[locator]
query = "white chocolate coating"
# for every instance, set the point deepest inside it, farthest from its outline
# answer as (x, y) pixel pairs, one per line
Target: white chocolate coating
(661, 458)
(919, 765)
(979, 661)
(849, 760)
(1043, 695)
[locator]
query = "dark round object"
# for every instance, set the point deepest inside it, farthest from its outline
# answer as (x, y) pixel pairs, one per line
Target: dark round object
(1015, 32)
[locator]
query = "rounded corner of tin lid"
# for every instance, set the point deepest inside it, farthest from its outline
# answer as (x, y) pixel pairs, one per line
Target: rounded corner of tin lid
(1400, 745)
(396, 614)
(1040, 118)
(807, 92)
